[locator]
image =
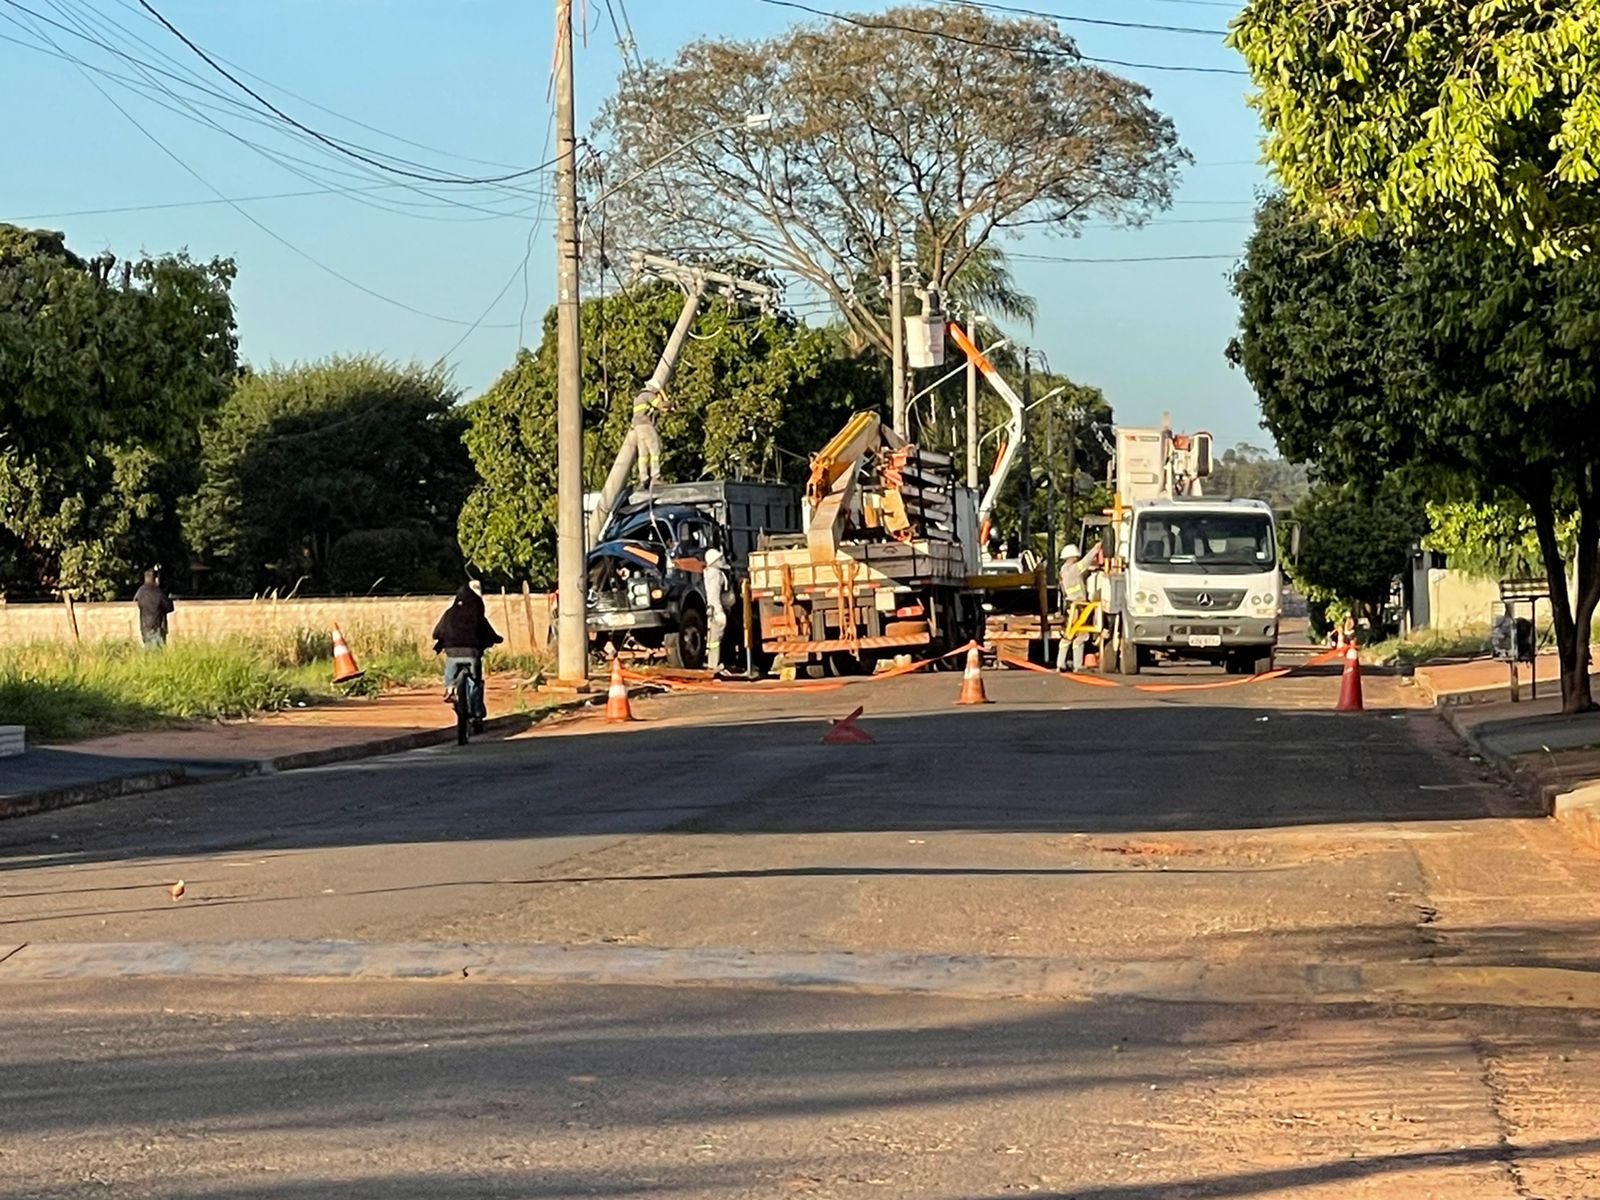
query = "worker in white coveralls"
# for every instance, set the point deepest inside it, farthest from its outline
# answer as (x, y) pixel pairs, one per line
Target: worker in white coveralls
(1074, 580)
(717, 600)
(647, 406)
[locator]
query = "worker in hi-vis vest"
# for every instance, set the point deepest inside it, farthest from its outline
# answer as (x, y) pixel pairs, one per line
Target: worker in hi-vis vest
(1074, 582)
(647, 406)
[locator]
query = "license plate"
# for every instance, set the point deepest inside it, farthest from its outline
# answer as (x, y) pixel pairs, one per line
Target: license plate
(1205, 639)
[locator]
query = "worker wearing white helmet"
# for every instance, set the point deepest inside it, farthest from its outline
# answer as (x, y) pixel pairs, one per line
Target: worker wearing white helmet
(715, 579)
(1074, 595)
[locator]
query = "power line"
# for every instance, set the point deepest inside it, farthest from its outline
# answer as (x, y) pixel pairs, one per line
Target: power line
(312, 259)
(331, 143)
(189, 109)
(1102, 21)
(944, 35)
(1134, 258)
(132, 6)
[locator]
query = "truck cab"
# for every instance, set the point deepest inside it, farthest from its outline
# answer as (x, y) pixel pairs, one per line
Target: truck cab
(1202, 579)
(646, 590)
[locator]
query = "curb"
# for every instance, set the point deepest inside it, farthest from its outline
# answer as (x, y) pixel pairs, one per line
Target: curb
(1524, 783)
(27, 804)
(31, 803)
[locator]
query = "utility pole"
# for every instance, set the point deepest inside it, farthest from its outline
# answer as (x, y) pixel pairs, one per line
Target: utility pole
(1072, 473)
(1050, 471)
(572, 627)
(897, 336)
(972, 408)
(1025, 491)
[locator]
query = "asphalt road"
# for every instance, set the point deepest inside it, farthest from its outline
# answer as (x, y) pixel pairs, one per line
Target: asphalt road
(1083, 942)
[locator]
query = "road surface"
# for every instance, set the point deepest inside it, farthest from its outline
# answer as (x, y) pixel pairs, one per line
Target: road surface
(1083, 942)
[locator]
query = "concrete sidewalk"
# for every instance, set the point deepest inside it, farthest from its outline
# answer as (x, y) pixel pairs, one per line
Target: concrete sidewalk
(101, 768)
(1551, 754)
(1485, 681)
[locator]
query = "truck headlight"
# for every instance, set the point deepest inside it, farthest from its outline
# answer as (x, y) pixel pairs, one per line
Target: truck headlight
(639, 593)
(1145, 604)
(1264, 605)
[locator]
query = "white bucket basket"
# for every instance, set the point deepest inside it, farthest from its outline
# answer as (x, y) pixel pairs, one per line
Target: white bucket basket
(925, 341)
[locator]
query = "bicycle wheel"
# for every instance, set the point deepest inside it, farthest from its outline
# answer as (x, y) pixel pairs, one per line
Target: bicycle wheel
(463, 711)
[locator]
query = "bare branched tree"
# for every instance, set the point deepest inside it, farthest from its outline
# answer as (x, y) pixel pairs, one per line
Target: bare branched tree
(931, 130)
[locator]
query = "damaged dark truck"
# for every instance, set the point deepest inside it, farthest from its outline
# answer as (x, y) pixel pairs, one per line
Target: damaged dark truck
(646, 593)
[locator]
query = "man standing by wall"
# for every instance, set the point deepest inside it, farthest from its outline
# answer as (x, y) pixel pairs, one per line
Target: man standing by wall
(154, 604)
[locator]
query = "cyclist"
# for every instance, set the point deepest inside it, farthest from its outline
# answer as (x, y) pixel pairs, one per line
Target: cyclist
(462, 635)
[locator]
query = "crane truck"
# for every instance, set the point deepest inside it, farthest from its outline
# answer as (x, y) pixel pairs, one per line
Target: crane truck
(881, 568)
(1186, 575)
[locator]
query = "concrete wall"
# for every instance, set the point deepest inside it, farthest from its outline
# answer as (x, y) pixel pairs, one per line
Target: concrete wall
(1456, 600)
(209, 620)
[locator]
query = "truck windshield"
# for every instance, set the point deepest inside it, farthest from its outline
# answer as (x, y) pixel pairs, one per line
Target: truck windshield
(1223, 543)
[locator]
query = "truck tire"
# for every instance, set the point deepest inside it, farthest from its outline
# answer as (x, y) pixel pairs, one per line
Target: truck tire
(844, 665)
(686, 648)
(1127, 653)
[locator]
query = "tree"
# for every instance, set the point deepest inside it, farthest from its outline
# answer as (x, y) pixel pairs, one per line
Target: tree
(301, 459)
(1434, 116)
(1491, 541)
(942, 127)
(106, 371)
(752, 397)
(1467, 359)
(1353, 543)
(1251, 473)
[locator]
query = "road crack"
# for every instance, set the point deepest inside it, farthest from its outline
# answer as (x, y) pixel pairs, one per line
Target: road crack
(1495, 1087)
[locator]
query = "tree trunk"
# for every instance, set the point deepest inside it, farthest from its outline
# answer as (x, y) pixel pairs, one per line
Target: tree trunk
(1572, 639)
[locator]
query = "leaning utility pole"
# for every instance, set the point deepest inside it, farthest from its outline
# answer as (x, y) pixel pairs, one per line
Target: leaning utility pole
(897, 338)
(572, 632)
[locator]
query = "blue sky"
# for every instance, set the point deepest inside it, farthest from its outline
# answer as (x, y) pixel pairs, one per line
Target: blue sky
(469, 77)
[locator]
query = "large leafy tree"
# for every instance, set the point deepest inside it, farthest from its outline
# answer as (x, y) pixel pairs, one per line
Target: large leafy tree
(347, 473)
(752, 398)
(1434, 115)
(1354, 541)
(927, 131)
(107, 369)
(1466, 359)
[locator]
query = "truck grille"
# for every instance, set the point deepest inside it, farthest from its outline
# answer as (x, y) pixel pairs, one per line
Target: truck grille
(1204, 599)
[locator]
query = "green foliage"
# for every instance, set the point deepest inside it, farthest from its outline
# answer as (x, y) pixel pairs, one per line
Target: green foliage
(1491, 541)
(1435, 115)
(106, 372)
(1468, 360)
(956, 124)
(1353, 544)
(1251, 473)
(301, 458)
(752, 397)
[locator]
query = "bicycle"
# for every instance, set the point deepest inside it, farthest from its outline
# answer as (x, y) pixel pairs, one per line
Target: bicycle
(460, 693)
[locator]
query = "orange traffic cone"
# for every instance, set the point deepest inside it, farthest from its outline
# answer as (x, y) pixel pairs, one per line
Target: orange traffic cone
(845, 731)
(344, 663)
(1350, 685)
(972, 678)
(617, 707)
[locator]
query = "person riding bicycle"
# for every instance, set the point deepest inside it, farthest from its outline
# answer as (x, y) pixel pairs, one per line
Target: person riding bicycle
(462, 635)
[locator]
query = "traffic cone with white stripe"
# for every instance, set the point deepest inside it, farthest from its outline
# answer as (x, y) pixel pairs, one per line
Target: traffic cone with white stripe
(972, 678)
(1350, 684)
(617, 707)
(344, 663)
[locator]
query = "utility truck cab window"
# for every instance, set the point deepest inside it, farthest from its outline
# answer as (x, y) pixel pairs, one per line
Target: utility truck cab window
(1201, 543)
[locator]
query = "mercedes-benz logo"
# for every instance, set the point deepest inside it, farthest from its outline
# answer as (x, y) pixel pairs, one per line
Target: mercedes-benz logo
(1203, 600)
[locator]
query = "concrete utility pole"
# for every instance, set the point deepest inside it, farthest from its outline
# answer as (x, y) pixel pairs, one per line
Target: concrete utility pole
(1025, 484)
(897, 336)
(571, 633)
(972, 408)
(1050, 472)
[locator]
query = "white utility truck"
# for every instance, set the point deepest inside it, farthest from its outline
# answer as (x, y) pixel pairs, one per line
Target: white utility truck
(1186, 575)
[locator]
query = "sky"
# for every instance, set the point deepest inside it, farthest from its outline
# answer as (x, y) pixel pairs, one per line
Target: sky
(138, 164)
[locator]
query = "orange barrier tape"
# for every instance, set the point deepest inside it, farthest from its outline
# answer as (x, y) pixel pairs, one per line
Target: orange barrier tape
(1265, 676)
(1076, 677)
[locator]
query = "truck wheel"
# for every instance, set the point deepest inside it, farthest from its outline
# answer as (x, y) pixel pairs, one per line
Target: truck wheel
(686, 649)
(1127, 654)
(844, 665)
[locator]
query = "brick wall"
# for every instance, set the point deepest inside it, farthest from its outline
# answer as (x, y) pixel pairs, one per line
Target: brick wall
(210, 620)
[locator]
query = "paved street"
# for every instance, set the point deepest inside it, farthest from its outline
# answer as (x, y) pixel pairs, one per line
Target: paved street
(1083, 942)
